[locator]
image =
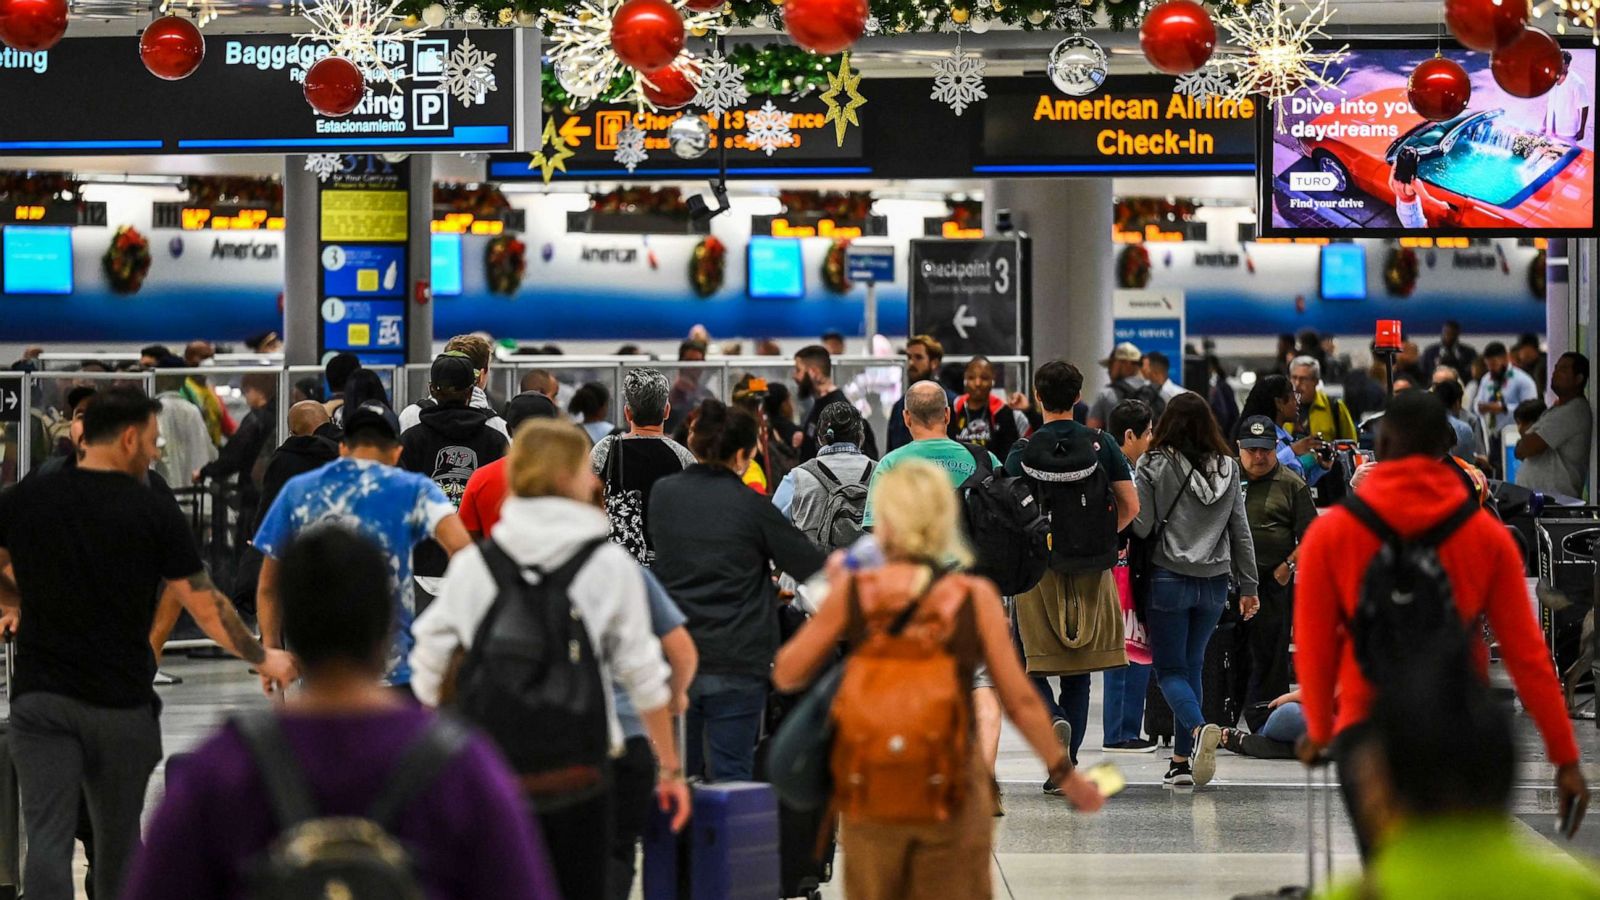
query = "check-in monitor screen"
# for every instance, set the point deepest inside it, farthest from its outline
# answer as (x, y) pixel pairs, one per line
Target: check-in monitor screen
(38, 260)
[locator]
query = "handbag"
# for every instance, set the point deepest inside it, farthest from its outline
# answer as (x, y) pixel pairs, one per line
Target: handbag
(1135, 638)
(1141, 554)
(799, 763)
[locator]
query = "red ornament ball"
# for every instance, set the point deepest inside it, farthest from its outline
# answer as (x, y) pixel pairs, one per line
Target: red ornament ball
(1178, 36)
(1438, 89)
(1528, 66)
(32, 24)
(1486, 25)
(674, 87)
(172, 48)
(704, 5)
(334, 86)
(825, 26)
(647, 34)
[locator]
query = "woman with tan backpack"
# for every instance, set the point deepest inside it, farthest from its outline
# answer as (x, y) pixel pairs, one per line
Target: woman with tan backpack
(916, 799)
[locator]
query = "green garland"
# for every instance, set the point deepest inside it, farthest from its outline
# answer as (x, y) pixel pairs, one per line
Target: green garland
(776, 69)
(894, 16)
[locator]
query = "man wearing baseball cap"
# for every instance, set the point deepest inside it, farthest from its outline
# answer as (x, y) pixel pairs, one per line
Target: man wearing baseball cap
(1279, 508)
(1124, 367)
(363, 490)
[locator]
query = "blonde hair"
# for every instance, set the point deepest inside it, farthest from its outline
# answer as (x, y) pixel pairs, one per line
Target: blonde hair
(476, 347)
(915, 509)
(544, 456)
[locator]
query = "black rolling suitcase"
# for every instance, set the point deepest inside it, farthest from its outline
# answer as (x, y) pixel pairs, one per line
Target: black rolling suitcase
(805, 850)
(1157, 714)
(10, 800)
(1309, 889)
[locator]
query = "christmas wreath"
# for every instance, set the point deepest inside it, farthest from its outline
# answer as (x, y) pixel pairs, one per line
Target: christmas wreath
(707, 265)
(1400, 271)
(1536, 275)
(127, 260)
(1133, 267)
(835, 274)
(504, 261)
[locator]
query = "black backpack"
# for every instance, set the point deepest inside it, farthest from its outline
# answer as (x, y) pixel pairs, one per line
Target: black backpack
(838, 524)
(1008, 533)
(1407, 607)
(347, 856)
(1148, 393)
(532, 681)
(1075, 492)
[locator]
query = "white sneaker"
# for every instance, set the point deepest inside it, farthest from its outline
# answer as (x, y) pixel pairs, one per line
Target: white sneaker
(1204, 758)
(163, 679)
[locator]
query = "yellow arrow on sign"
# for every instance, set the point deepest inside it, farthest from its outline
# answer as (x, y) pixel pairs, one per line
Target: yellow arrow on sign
(571, 131)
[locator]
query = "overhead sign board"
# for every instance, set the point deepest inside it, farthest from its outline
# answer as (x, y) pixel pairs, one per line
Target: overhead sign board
(866, 262)
(94, 96)
(1151, 321)
(11, 400)
(970, 295)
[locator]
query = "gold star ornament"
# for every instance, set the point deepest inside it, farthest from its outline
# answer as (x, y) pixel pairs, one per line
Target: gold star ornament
(548, 162)
(843, 115)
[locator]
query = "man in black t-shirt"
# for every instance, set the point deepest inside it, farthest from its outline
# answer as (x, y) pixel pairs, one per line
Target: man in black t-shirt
(813, 378)
(90, 547)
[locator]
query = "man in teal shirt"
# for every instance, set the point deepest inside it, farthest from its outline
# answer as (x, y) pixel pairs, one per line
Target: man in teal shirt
(927, 417)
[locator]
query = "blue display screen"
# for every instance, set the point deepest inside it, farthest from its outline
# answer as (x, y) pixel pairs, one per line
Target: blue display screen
(447, 265)
(776, 269)
(38, 260)
(1344, 272)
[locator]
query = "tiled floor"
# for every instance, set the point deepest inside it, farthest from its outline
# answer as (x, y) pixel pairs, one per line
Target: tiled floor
(1246, 832)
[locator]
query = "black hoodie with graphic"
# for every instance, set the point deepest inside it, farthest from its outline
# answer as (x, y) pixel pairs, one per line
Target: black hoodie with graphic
(448, 444)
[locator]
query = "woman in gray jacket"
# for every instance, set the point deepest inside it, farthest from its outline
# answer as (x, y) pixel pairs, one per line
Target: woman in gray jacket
(1192, 506)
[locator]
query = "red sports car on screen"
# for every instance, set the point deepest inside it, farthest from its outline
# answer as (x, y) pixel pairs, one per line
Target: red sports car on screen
(1483, 171)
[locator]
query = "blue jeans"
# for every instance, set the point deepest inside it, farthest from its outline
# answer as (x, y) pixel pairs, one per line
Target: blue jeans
(1182, 615)
(1124, 709)
(1287, 723)
(723, 723)
(1072, 703)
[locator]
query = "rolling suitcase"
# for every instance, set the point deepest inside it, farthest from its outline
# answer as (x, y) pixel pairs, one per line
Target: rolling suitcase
(1157, 714)
(10, 800)
(1309, 889)
(728, 851)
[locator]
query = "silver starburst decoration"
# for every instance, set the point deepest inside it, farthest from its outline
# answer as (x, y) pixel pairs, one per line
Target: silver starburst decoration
(630, 147)
(721, 85)
(369, 33)
(583, 38)
(958, 80)
(323, 165)
(469, 73)
(1275, 58)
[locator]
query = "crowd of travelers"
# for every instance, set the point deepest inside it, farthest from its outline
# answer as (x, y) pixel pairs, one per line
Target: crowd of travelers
(503, 635)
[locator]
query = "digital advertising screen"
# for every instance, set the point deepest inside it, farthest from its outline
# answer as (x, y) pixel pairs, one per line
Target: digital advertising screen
(1358, 157)
(37, 260)
(446, 265)
(1344, 272)
(776, 269)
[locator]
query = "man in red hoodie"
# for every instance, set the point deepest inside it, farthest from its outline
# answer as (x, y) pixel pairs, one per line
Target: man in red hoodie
(1412, 490)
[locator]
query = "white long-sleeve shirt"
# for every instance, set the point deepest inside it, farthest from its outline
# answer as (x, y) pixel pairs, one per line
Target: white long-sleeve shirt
(608, 593)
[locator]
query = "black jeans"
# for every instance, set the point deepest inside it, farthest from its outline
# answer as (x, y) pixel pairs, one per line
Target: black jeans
(633, 782)
(578, 838)
(1264, 662)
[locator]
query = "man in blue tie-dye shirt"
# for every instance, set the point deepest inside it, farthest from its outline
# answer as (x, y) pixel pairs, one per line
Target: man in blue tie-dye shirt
(363, 490)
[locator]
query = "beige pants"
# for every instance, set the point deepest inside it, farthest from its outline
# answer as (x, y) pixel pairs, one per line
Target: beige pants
(944, 861)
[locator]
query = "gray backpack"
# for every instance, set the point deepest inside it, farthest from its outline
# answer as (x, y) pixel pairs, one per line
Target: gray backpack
(838, 524)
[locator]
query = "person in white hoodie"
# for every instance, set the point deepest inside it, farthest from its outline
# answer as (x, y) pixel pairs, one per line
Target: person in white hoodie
(549, 518)
(1191, 506)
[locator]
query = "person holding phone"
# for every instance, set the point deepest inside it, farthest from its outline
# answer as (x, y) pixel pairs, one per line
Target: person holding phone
(1409, 192)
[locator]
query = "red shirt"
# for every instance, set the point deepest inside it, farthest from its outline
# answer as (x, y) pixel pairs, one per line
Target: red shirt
(480, 504)
(1485, 569)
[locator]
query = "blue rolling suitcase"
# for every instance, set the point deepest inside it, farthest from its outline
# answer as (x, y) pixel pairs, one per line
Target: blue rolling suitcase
(728, 851)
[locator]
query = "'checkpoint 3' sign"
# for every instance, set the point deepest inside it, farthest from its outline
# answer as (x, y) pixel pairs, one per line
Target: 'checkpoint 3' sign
(94, 96)
(969, 294)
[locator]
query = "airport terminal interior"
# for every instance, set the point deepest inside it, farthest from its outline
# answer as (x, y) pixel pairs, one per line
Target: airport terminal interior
(1253, 337)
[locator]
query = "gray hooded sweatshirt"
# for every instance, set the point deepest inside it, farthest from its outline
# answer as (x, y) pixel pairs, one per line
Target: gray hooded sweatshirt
(1207, 533)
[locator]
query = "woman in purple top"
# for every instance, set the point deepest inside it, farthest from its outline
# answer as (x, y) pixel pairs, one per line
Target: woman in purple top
(468, 834)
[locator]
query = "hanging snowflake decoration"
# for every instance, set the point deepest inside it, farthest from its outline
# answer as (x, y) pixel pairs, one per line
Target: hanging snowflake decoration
(847, 83)
(1206, 83)
(469, 73)
(369, 33)
(958, 80)
(721, 85)
(323, 165)
(769, 128)
(630, 147)
(581, 41)
(1275, 58)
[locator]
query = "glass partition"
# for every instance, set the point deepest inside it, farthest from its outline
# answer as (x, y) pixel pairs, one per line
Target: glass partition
(46, 423)
(570, 374)
(690, 383)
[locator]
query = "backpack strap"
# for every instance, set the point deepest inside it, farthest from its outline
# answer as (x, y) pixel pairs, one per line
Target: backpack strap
(418, 768)
(827, 473)
(1367, 516)
(1441, 532)
(281, 773)
(866, 474)
(980, 455)
(507, 572)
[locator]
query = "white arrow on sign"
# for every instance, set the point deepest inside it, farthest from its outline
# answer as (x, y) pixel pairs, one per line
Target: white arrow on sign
(962, 321)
